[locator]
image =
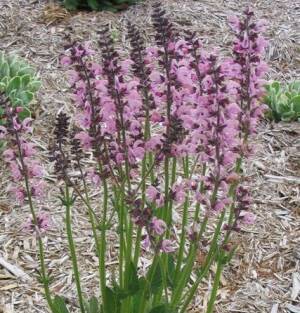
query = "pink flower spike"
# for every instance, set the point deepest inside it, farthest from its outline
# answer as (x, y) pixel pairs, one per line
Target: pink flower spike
(159, 226)
(168, 246)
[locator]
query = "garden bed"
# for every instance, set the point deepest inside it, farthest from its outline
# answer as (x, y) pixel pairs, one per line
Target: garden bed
(264, 275)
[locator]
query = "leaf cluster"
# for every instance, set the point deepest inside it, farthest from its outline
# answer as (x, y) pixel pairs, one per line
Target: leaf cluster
(98, 5)
(18, 82)
(284, 101)
(136, 289)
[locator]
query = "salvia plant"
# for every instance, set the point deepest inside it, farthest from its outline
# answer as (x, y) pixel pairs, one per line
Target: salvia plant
(110, 5)
(283, 101)
(168, 131)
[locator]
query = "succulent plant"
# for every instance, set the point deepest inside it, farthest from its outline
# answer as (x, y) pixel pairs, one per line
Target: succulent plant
(18, 82)
(284, 101)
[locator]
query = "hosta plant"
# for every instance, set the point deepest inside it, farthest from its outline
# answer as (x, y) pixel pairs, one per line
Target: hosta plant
(283, 101)
(18, 82)
(110, 5)
(162, 137)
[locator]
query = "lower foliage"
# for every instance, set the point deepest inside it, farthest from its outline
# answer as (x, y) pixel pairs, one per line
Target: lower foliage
(98, 5)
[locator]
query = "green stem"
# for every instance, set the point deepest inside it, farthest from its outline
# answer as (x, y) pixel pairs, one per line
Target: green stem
(209, 257)
(164, 214)
(45, 278)
(103, 247)
(190, 293)
(215, 288)
(68, 203)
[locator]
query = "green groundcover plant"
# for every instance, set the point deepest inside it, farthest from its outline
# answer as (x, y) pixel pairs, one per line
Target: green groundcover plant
(111, 5)
(283, 101)
(18, 82)
(167, 130)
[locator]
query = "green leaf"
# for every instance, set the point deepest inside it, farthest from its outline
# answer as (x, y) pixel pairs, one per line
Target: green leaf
(276, 86)
(26, 97)
(162, 308)
(25, 113)
(94, 4)
(26, 70)
(288, 116)
(71, 4)
(25, 80)
(133, 283)
(112, 303)
(59, 304)
(296, 103)
(171, 271)
(34, 85)
(93, 306)
(14, 84)
(4, 70)
(157, 280)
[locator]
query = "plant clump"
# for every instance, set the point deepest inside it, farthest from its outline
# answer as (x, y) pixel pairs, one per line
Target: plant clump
(167, 130)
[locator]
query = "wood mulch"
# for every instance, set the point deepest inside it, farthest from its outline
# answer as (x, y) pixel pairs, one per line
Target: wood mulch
(264, 276)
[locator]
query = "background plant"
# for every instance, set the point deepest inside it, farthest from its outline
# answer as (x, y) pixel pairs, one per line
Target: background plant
(110, 5)
(283, 101)
(18, 82)
(167, 130)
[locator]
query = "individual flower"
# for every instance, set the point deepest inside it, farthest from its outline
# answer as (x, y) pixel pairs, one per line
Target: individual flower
(146, 242)
(158, 226)
(155, 196)
(168, 246)
(247, 218)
